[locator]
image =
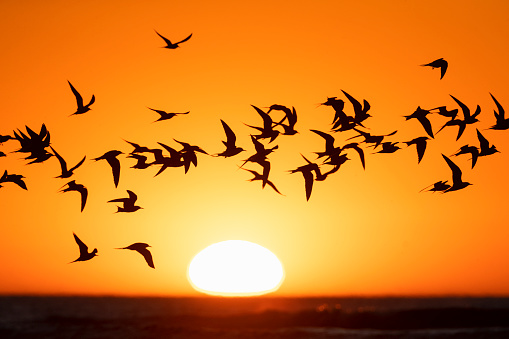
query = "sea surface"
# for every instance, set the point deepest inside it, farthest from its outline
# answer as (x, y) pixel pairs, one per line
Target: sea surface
(256, 317)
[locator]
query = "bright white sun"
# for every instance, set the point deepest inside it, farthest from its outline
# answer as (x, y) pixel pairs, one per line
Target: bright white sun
(235, 268)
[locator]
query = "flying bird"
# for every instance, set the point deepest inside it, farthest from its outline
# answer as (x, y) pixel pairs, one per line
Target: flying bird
(457, 183)
(420, 143)
(141, 248)
(420, 114)
(485, 148)
(439, 63)
(14, 178)
(141, 161)
(231, 148)
(171, 45)
(267, 131)
(66, 173)
(73, 186)
(467, 149)
(502, 123)
(307, 172)
(467, 118)
(166, 115)
(361, 112)
(128, 203)
(257, 176)
(439, 186)
(84, 254)
(111, 158)
(79, 101)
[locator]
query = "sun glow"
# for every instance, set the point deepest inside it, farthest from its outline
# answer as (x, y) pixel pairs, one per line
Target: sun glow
(235, 268)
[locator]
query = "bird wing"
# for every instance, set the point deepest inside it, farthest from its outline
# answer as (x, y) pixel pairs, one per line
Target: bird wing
(78, 164)
(81, 245)
(115, 169)
(464, 108)
(308, 182)
(147, 255)
(329, 139)
(483, 141)
(501, 112)
(132, 196)
(443, 68)
(426, 124)
(63, 164)
(79, 99)
(359, 150)
(357, 108)
(456, 171)
(267, 120)
(230, 136)
(84, 194)
(421, 148)
(166, 40)
(189, 37)
(92, 100)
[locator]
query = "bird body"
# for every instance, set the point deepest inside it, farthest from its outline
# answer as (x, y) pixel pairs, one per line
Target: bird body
(73, 186)
(79, 101)
(231, 148)
(111, 158)
(84, 254)
(141, 248)
(66, 173)
(128, 203)
(439, 63)
(163, 115)
(171, 45)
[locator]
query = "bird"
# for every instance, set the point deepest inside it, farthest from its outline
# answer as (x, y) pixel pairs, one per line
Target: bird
(84, 254)
(175, 160)
(137, 148)
(34, 143)
(79, 101)
(420, 143)
(111, 158)
(14, 178)
(457, 183)
(291, 117)
(485, 148)
(166, 115)
(4, 138)
(141, 161)
(128, 203)
(171, 45)
(141, 248)
(73, 186)
(371, 139)
(188, 153)
(439, 186)
(360, 111)
(466, 149)
(267, 131)
(420, 115)
(443, 111)
(231, 149)
(467, 118)
(439, 63)
(330, 149)
(307, 172)
(502, 123)
(389, 147)
(66, 173)
(258, 176)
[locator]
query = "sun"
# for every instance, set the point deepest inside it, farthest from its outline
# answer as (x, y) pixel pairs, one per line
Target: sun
(235, 268)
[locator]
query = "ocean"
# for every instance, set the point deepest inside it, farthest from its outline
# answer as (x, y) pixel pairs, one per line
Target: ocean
(255, 317)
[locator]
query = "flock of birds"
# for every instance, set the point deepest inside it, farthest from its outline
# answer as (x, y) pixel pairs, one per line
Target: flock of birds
(38, 148)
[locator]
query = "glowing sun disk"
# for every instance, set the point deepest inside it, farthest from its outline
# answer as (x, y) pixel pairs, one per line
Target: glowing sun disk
(235, 267)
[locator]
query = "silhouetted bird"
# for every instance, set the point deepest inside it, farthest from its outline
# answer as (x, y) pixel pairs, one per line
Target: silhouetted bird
(420, 114)
(307, 172)
(439, 186)
(2, 154)
(371, 139)
(231, 148)
(468, 118)
(443, 111)
(111, 158)
(341, 120)
(260, 157)
(267, 131)
(389, 147)
(66, 173)
(360, 111)
(171, 45)
(128, 203)
(439, 63)
(257, 176)
(141, 248)
(330, 149)
(457, 183)
(79, 101)
(34, 143)
(176, 159)
(14, 178)
(291, 117)
(73, 186)
(420, 144)
(502, 122)
(137, 148)
(484, 145)
(166, 115)
(84, 254)
(141, 161)
(472, 150)
(188, 153)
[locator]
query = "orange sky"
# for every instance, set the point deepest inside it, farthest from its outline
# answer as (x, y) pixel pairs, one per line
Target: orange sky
(362, 232)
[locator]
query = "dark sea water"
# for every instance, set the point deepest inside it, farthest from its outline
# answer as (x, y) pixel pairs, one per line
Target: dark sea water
(259, 317)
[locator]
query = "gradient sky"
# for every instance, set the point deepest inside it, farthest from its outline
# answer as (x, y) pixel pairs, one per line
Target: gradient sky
(362, 232)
